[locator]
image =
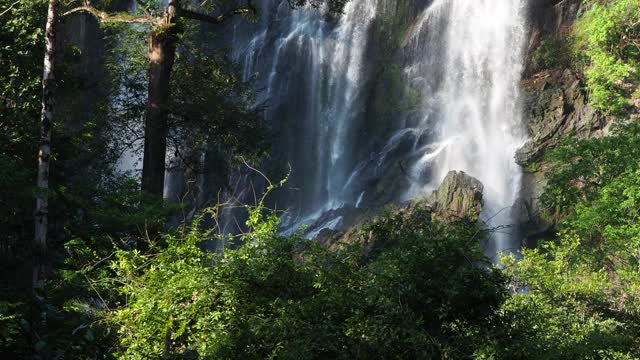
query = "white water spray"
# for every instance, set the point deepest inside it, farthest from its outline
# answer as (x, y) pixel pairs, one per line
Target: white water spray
(466, 58)
(312, 73)
(475, 104)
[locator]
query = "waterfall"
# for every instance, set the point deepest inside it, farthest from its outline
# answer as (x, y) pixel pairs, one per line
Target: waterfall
(309, 67)
(469, 73)
(463, 57)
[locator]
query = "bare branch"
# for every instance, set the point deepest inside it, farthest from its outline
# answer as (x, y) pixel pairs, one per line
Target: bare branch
(256, 170)
(115, 18)
(249, 9)
(10, 7)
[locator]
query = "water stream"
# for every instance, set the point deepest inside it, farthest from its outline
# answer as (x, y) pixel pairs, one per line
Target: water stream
(312, 71)
(309, 67)
(475, 104)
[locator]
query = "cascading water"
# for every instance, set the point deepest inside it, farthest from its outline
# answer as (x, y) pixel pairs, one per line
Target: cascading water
(464, 58)
(310, 67)
(477, 48)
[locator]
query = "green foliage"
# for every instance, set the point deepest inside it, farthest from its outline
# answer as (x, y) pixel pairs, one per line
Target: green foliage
(608, 33)
(582, 167)
(203, 77)
(604, 79)
(12, 327)
(539, 326)
(426, 296)
(403, 287)
(91, 205)
(553, 52)
(21, 37)
(210, 108)
(578, 296)
(582, 297)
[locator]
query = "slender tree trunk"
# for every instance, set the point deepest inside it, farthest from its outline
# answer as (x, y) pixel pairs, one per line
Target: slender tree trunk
(162, 52)
(44, 154)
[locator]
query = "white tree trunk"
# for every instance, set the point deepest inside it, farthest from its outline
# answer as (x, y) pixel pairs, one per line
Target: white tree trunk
(44, 153)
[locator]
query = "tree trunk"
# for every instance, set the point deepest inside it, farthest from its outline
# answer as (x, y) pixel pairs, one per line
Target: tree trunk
(44, 154)
(162, 51)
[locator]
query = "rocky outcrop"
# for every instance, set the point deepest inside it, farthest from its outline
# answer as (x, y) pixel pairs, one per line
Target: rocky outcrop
(556, 106)
(338, 220)
(549, 17)
(527, 214)
(459, 198)
(552, 15)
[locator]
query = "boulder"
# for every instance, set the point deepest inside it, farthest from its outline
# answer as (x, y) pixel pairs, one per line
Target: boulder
(459, 198)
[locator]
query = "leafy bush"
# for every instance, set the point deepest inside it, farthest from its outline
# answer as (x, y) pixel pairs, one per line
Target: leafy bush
(609, 33)
(582, 297)
(427, 295)
(580, 168)
(578, 296)
(554, 51)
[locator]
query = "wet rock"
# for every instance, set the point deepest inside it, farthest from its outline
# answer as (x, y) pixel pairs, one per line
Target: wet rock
(556, 106)
(520, 212)
(549, 17)
(385, 176)
(459, 198)
(528, 152)
(527, 214)
(336, 220)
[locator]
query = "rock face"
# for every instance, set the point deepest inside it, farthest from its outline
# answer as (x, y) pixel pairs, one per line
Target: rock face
(556, 106)
(549, 17)
(459, 198)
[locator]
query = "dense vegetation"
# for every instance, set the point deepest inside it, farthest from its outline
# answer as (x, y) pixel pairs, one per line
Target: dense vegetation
(609, 35)
(122, 284)
(288, 298)
(582, 289)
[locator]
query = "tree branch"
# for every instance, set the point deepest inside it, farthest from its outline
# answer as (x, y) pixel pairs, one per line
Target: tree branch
(117, 18)
(249, 9)
(10, 7)
(145, 7)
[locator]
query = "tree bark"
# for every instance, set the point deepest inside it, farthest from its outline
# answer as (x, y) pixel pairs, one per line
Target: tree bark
(44, 153)
(162, 52)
